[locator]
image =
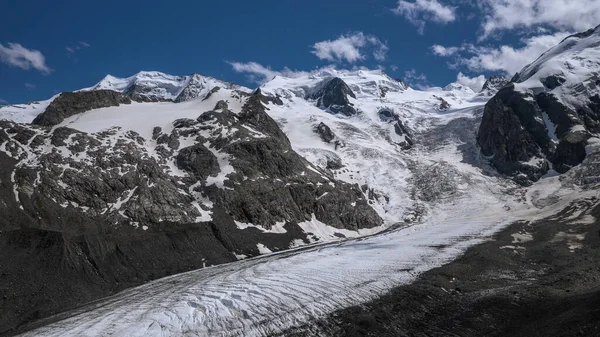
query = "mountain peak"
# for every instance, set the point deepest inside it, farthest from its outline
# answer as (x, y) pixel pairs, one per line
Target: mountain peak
(493, 84)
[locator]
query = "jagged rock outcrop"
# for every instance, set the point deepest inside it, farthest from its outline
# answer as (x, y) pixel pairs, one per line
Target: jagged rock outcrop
(525, 134)
(199, 86)
(405, 138)
(333, 95)
(324, 132)
(69, 104)
(493, 84)
(544, 119)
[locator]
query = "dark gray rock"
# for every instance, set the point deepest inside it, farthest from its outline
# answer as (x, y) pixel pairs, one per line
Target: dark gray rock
(324, 132)
(198, 160)
(553, 82)
(184, 123)
(513, 131)
(399, 128)
(333, 95)
(444, 105)
(387, 115)
(69, 104)
(221, 105)
(156, 132)
(511, 134)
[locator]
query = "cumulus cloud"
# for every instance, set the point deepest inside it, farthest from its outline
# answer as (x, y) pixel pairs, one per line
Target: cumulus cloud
(475, 83)
(444, 51)
(18, 56)
(421, 11)
(564, 15)
(351, 48)
(503, 59)
(261, 74)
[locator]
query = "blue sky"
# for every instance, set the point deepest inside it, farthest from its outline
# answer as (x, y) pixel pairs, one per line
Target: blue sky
(49, 47)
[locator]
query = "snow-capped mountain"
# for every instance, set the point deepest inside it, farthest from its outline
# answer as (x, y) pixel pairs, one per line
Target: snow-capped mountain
(145, 86)
(138, 178)
(493, 84)
(544, 120)
(157, 86)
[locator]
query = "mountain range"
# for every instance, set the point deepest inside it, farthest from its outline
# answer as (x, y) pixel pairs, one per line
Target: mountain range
(138, 178)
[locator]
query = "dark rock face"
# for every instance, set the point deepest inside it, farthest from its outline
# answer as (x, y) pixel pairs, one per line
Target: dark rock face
(399, 128)
(402, 130)
(198, 160)
(324, 132)
(112, 210)
(494, 84)
(520, 132)
(333, 95)
(72, 103)
(553, 82)
(444, 105)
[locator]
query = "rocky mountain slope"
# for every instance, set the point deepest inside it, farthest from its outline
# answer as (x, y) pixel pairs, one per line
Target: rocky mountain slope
(138, 178)
(542, 122)
(92, 204)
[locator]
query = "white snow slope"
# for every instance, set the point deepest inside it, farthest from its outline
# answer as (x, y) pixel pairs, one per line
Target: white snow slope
(576, 60)
(440, 193)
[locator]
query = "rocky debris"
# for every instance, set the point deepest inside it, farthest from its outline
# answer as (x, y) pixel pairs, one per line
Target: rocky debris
(522, 132)
(333, 95)
(69, 104)
(493, 84)
(324, 132)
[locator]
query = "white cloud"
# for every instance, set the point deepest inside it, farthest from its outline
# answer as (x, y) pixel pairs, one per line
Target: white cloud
(475, 83)
(18, 56)
(418, 80)
(444, 51)
(261, 74)
(351, 48)
(30, 86)
(2, 101)
(565, 15)
(421, 11)
(504, 59)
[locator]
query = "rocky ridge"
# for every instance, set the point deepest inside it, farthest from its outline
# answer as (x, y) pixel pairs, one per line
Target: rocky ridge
(111, 209)
(543, 120)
